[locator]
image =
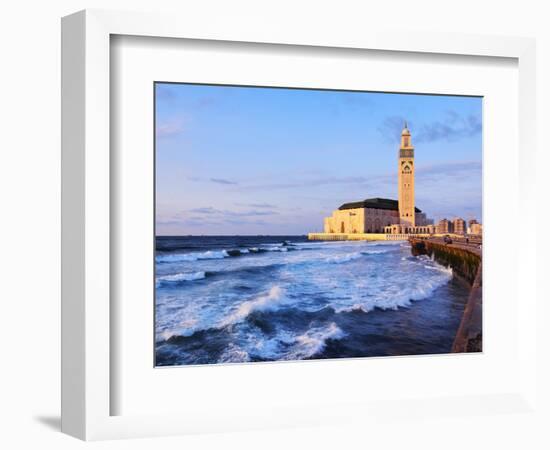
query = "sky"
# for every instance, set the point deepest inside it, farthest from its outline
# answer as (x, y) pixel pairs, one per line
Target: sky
(236, 160)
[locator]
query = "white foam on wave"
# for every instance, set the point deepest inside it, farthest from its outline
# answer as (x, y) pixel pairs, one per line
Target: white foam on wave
(264, 302)
(182, 257)
(286, 345)
(275, 249)
(374, 252)
(402, 296)
(314, 340)
(179, 277)
(321, 243)
(328, 245)
(183, 328)
(185, 276)
(387, 243)
(352, 256)
(439, 268)
(234, 354)
(343, 258)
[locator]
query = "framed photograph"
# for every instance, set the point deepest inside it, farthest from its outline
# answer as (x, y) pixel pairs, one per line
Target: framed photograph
(253, 217)
(247, 269)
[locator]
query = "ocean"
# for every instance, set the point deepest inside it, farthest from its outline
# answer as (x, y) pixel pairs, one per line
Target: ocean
(234, 299)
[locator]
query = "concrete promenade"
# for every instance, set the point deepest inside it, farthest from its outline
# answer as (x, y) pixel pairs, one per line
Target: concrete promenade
(471, 244)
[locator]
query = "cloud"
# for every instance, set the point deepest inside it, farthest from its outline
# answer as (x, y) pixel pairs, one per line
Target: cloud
(391, 128)
(207, 210)
(381, 185)
(198, 220)
(309, 182)
(213, 180)
(164, 92)
(450, 190)
(206, 102)
(246, 222)
(171, 127)
(222, 181)
(448, 168)
(447, 172)
(257, 205)
(452, 127)
(224, 213)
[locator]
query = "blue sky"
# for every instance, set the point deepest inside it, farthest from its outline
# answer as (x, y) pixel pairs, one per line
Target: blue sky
(245, 160)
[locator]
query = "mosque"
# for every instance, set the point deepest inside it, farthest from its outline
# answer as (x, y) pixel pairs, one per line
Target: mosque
(382, 215)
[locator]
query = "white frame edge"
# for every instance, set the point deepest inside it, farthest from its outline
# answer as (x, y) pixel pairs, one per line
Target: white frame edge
(72, 225)
(86, 173)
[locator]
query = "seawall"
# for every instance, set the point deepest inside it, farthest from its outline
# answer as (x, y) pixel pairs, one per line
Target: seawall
(465, 260)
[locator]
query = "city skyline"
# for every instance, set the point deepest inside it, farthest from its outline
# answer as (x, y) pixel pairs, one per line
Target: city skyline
(245, 160)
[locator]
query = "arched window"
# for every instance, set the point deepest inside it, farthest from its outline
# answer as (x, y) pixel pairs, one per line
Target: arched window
(342, 227)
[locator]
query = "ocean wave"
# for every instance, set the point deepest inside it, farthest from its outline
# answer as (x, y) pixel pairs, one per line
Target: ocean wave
(392, 300)
(220, 254)
(352, 256)
(196, 256)
(184, 276)
(390, 244)
(264, 302)
(185, 328)
(319, 245)
(440, 268)
(260, 265)
(284, 345)
(313, 341)
(343, 258)
(234, 354)
(374, 252)
(304, 282)
(179, 277)
(287, 345)
(274, 249)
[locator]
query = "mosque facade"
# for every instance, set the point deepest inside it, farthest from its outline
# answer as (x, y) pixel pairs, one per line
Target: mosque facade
(382, 215)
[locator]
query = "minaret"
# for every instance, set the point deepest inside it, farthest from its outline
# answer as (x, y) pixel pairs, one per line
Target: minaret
(406, 179)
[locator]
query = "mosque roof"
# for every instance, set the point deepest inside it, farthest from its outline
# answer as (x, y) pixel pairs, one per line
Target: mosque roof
(375, 203)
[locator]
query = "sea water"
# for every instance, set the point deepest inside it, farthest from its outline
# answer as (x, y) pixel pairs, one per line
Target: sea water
(223, 299)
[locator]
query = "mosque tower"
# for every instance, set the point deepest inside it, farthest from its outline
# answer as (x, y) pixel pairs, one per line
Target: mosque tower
(406, 179)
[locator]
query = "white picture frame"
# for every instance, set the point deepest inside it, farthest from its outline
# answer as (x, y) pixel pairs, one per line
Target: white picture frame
(87, 324)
